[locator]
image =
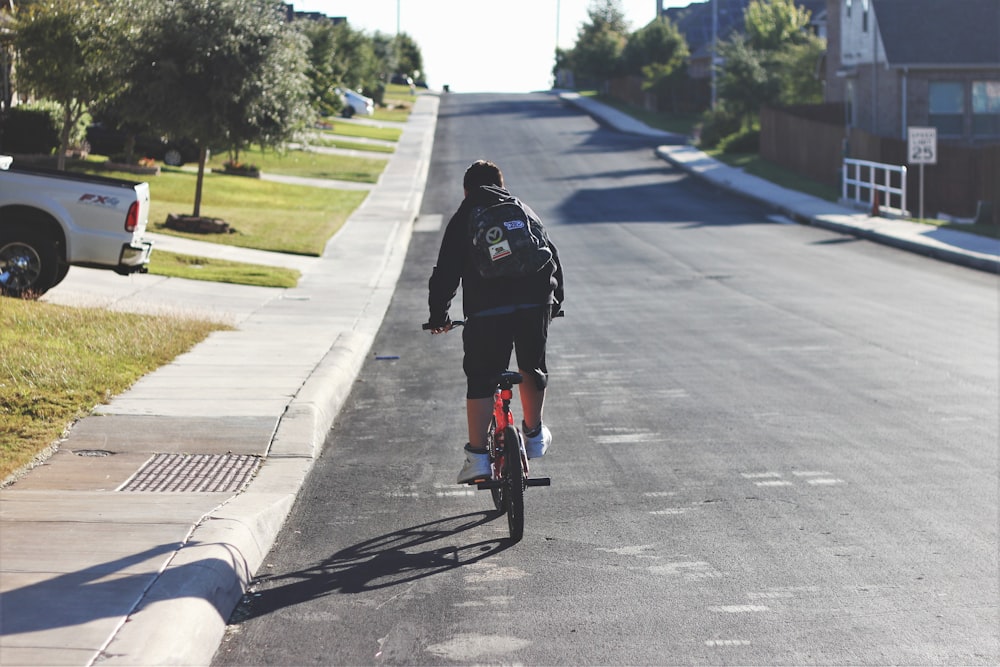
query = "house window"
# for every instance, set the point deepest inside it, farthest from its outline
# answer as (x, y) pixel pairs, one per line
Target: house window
(848, 4)
(864, 15)
(986, 108)
(947, 107)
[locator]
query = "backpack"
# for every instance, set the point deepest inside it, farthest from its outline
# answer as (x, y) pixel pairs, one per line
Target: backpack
(508, 240)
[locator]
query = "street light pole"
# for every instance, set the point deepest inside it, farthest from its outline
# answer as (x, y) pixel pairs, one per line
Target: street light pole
(715, 34)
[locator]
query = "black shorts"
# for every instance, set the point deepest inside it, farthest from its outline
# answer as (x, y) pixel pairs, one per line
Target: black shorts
(488, 343)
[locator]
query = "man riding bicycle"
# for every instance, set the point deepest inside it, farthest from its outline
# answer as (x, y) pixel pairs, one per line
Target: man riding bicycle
(502, 315)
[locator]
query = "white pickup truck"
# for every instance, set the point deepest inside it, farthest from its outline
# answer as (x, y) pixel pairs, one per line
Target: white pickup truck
(51, 220)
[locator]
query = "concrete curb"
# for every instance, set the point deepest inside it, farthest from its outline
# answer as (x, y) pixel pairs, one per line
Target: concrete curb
(205, 578)
(817, 212)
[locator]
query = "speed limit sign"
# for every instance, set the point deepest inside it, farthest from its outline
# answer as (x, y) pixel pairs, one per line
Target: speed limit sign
(921, 145)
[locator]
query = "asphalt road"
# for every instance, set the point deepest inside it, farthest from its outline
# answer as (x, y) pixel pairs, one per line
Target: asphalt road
(773, 444)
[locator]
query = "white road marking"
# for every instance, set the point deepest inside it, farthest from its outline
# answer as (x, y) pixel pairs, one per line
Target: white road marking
(627, 438)
(726, 642)
(697, 569)
(740, 608)
(428, 223)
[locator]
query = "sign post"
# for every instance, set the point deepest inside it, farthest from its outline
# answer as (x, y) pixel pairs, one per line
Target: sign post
(921, 148)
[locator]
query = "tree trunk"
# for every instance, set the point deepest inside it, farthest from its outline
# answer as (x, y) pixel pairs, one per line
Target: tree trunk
(202, 159)
(64, 138)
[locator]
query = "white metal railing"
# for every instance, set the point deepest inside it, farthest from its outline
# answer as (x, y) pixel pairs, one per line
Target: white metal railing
(864, 181)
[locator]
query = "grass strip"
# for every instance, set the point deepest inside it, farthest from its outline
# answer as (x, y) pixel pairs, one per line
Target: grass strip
(333, 142)
(346, 129)
(175, 265)
(266, 215)
(306, 164)
(58, 363)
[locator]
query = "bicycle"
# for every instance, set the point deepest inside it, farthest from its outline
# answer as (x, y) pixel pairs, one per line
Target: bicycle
(508, 473)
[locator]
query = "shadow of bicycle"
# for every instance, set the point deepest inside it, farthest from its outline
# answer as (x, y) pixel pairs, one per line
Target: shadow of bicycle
(385, 561)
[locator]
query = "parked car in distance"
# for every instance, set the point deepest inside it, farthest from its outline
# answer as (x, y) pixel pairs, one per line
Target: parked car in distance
(109, 141)
(355, 103)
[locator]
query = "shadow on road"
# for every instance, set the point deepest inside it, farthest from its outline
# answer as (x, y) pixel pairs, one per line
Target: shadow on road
(392, 559)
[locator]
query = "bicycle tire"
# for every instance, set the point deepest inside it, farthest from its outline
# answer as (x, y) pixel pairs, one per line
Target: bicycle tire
(514, 486)
(499, 497)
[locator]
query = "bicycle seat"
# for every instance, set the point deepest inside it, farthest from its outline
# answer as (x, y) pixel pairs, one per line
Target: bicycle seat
(508, 379)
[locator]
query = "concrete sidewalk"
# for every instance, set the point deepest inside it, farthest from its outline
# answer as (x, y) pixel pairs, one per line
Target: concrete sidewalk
(134, 542)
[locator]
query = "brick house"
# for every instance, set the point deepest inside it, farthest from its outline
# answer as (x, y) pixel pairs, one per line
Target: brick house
(895, 64)
(900, 63)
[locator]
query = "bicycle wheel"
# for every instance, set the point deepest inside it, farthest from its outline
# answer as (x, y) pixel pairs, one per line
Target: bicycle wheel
(514, 487)
(499, 497)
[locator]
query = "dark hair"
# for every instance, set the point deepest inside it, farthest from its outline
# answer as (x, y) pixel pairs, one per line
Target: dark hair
(482, 172)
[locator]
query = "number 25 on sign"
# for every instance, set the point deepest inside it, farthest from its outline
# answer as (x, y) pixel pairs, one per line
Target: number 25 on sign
(922, 145)
(921, 148)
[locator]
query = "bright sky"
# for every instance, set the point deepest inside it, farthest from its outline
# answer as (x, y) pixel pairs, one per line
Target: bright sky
(480, 46)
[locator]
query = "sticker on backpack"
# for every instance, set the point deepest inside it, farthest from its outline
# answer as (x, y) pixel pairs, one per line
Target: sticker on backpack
(508, 241)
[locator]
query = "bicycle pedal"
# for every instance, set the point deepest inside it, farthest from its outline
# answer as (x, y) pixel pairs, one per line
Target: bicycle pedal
(538, 481)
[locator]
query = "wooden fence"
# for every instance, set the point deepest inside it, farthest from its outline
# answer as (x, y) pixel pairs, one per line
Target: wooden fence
(813, 141)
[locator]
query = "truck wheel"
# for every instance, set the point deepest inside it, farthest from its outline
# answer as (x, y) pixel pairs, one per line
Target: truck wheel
(60, 274)
(28, 263)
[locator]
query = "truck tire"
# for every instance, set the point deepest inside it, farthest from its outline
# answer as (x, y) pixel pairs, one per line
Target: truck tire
(28, 263)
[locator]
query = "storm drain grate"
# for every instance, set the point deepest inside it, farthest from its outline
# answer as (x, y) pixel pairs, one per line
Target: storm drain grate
(211, 473)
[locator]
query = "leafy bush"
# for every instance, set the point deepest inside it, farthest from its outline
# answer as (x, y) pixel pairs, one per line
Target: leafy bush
(30, 130)
(34, 129)
(744, 141)
(717, 125)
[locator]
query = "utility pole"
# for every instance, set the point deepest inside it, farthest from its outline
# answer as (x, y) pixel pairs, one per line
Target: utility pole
(715, 37)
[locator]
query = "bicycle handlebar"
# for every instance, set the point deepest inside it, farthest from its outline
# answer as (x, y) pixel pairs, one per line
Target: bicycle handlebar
(427, 326)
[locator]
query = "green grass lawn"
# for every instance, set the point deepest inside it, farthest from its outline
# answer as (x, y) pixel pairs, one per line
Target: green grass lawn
(332, 141)
(346, 129)
(266, 215)
(174, 265)
(308, 164)
(59, 363)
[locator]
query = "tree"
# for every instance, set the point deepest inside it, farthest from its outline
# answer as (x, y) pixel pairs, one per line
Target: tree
(775, 62)
(409, 60)
(600, 41)
(65, 53)
(358, 62)
(797, 66)
(222, 73)
(772, 25)
(658, 53)
(322, 73)
(745, 82)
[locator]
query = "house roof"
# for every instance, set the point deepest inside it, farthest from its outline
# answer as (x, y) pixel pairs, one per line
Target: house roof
(939, 33)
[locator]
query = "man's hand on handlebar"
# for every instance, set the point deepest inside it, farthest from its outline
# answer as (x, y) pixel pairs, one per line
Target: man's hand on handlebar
(442, 327)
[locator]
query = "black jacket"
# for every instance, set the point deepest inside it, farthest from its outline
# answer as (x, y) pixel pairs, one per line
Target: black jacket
(455, 265)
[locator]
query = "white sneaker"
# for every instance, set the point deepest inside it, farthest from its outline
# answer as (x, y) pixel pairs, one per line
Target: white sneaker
(477, 466)
(536, 446)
